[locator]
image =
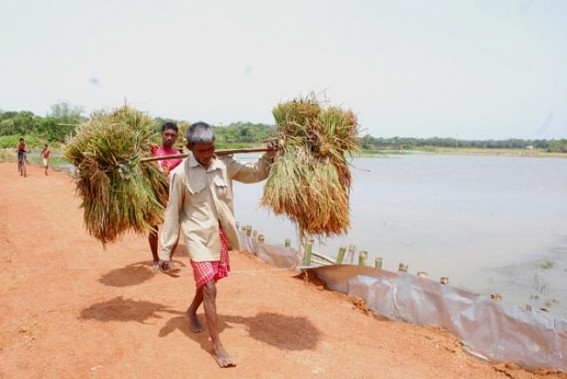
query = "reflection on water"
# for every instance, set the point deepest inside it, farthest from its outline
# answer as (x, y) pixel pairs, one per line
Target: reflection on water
(491, 224)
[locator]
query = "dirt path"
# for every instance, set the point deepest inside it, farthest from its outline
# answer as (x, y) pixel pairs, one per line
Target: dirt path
(73, 310)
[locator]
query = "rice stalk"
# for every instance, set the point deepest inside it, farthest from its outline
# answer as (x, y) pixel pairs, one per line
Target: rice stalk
(310, 178)
(118, 192)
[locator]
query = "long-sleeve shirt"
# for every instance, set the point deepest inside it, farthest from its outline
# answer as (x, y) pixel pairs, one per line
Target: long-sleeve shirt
(200, 199)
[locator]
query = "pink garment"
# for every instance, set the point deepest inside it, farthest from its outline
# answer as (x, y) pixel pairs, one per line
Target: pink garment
(166, 165)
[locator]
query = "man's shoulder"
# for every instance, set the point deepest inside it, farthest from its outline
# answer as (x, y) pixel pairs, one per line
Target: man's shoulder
(179, 169)
(226, 160)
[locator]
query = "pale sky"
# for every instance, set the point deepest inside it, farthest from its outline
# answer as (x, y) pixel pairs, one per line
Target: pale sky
(485, 69)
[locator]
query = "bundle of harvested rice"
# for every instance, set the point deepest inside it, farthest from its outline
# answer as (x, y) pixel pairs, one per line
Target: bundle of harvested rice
(119, 193)
(310, 178)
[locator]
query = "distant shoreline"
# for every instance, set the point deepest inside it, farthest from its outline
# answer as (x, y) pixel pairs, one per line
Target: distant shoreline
(9, 154)
(529, 153)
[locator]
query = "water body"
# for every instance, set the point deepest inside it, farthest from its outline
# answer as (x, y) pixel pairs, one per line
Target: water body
(489, 223)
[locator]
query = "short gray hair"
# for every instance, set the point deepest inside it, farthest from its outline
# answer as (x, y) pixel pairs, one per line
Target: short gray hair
(200, 132)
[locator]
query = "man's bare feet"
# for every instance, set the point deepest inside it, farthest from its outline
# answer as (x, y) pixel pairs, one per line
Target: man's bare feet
(222, 358)
(194, 323)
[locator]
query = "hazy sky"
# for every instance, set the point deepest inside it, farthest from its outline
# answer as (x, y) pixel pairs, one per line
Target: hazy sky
(486, 69)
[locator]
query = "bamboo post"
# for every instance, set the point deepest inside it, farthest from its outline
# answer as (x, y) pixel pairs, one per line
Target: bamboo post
(255, 235)
(261, 238)
(496, 296)
(287, 242)
(243, 229)
(249, 230)
(403, 267)
(421, 274)
(351, 249)
(378, 263)
(307, 255)
(341, 255)
(444, 280)
(362, 258)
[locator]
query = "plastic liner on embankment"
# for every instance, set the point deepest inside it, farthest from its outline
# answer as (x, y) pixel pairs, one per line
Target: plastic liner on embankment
(489, 329)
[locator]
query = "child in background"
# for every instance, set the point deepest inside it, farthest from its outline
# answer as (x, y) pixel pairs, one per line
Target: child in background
(45, 153)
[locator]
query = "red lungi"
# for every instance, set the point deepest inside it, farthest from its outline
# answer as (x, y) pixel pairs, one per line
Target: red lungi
(206, 271)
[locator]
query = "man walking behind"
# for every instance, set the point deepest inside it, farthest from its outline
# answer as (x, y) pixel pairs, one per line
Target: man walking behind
(169, 133)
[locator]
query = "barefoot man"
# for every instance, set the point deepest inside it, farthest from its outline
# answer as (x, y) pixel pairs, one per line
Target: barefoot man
(200, 202)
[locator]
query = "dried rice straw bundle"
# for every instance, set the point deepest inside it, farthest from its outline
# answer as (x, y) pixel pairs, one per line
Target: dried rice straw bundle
(310, 178)
(119, 193)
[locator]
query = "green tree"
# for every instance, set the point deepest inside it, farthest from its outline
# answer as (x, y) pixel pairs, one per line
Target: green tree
(557, 146)
(67, 118)
(23, 122)
(7, 127)
(49, 129)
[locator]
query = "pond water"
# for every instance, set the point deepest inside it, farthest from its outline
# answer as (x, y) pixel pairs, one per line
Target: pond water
(489, 223)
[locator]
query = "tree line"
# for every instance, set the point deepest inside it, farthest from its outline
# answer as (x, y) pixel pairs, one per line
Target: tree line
(63, 118)
(369, 142)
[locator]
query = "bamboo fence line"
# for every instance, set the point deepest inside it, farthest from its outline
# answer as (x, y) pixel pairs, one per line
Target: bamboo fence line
(312, 258)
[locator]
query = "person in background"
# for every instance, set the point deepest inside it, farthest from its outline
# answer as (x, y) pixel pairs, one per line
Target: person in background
(45, 153)
(169, 133)
(21, 151)
(200, 208)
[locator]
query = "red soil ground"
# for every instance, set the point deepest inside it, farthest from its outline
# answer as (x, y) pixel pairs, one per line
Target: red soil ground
(71, 309)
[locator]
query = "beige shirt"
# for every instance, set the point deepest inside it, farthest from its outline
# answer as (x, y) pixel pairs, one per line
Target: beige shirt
(200, 198)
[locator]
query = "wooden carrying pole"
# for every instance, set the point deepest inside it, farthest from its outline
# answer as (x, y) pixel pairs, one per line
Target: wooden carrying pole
(217, 152)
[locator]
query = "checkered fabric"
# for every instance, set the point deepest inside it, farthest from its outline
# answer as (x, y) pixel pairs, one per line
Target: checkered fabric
(215, 270)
